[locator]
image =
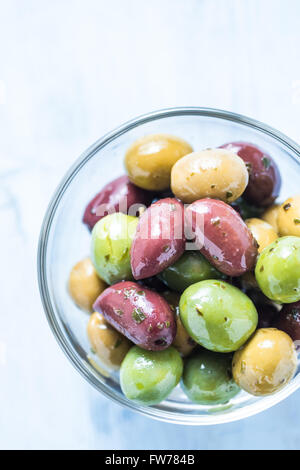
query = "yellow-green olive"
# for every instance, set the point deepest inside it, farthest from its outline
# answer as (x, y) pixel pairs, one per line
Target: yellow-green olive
(213, 173)
(266, 363)
(85, 285)
(149, 160)
(182, 342)
(289, 217)
(263, 232)
(107, 343)
(271, 216)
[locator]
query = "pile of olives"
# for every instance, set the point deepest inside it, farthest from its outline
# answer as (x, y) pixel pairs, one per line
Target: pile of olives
(193, 273)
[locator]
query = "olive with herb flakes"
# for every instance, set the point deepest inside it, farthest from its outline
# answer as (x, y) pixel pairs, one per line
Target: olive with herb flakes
(148, 377)
(85, 285)
(289, 217)
(119, 195)
(264, 177)
(214, 173)
(207, 378)
(110, 248)
(266, 363)
(217, 315)
(159, 240)
(107, 343)
(149, 160)
(289, 321)
(140, 314)
(277, 270)
(222, 236)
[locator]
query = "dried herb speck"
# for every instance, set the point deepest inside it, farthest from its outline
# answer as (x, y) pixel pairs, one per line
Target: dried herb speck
(118, 312)
(215, 221)
(266, 162)
(118, 343)
(249, 167)
(138, 315)
(199, 311)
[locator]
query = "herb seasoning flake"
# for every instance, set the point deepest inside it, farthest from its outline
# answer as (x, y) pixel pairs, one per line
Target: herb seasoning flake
(138, 315)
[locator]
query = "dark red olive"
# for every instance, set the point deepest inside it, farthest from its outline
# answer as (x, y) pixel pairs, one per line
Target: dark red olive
(289, 321)
(222, 236)
(267, 311)
(264, 177)
(159, 240)
(117, 196)
(140, 314)
(267, 315)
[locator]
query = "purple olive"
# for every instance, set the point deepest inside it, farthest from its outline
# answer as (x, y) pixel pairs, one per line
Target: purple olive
(140, 314)
(267, 315)
(159, 240)
(264, 177)
(222, 236)
(117, 196)
(289, 320)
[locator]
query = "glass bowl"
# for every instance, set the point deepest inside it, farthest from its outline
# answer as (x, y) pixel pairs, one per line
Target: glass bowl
(64, 240)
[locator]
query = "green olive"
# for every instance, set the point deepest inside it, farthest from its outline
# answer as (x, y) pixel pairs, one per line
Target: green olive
(289, 217)
(110, 346)
(278, 270)
(263, 232)
(182, 342)
(266, 363)
(217, 315)
(148, 377)
(85, 285)
(213, 173)
(149, 160)
(207, 378)
(111, 242)
(191, 267)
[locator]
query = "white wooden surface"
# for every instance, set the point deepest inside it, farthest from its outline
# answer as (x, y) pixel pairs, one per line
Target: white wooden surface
(70, 70)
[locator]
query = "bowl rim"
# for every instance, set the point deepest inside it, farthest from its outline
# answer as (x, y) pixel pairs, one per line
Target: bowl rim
(65, 344)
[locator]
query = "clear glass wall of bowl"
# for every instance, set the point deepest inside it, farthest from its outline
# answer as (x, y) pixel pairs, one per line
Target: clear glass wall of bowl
(65, 240)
